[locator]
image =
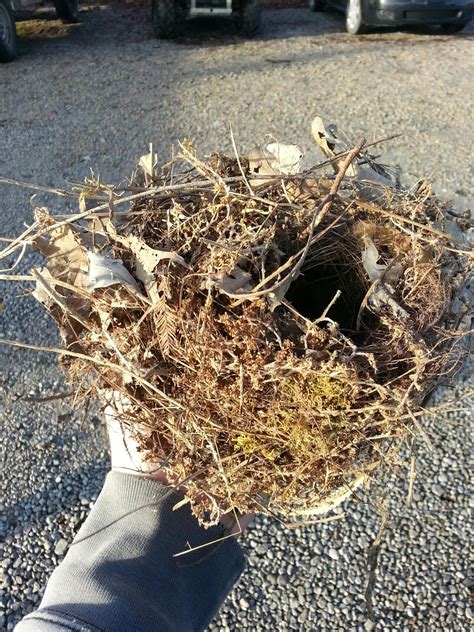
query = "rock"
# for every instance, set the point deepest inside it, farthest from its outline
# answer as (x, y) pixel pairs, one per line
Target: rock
(282, 580)
(333, 554)
(61, 547)
(294, 603)
(303, 616)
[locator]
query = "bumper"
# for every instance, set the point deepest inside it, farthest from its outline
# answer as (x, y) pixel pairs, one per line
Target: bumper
(395, 12)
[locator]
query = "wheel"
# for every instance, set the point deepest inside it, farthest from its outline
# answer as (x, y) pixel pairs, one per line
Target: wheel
(165, 17)
(452, 28)
(317, 5)
(249, 17)
(8, 44)
(354, 21)
(67, 10)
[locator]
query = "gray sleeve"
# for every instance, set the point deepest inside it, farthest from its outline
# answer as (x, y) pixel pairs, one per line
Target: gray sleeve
(120, 573)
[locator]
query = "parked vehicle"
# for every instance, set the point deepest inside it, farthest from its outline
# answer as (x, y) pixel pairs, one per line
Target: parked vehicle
(168, 15)
(451, 15)
(7, 32)
(67, 10)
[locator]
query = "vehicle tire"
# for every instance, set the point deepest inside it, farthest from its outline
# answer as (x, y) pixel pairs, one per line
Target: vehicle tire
(8, 43)
(250, 17)
(317, 5)
(67, 11)
(452, 28)
(165, 16)
(354, 18)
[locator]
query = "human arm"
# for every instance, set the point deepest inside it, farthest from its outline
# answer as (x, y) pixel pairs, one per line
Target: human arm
(121, 574)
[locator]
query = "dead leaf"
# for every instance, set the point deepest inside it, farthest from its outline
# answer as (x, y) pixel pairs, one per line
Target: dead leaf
(370, 256)
(375, 271)
(67, 261)
(148, 162)
(365, 168)
(235, 282)
(66, 258)
(330, 144)
(104, 272)
(146, 258)
(382, 297)
(288, 157)
(277, 159)
(39, 292)
(262, 165)
(382, 294)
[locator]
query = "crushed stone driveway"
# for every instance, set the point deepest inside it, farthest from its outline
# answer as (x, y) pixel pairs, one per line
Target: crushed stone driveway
(92, 96)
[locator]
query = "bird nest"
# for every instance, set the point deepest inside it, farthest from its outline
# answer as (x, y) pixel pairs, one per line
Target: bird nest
(263, 333)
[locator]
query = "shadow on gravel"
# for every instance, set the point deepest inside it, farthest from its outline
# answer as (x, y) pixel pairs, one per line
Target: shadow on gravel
(120, 23)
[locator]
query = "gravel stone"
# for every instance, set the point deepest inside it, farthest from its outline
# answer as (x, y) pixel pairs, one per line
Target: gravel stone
(333, 554)
(61, 547)
(303, 617)
(60, 117)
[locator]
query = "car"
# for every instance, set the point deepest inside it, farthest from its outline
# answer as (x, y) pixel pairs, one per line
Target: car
(450, 15)
(67, 10)
(168, 15)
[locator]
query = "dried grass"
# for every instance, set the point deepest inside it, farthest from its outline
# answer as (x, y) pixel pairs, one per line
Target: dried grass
(259, 352)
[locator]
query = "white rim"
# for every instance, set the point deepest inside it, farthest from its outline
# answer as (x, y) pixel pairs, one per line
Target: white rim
(353, 15)
(6, 34)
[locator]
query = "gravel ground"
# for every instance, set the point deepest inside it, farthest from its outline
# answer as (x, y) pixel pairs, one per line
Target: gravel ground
(92, 96)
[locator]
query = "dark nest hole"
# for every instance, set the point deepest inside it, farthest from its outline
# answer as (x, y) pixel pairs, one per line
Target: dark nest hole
(318, 284)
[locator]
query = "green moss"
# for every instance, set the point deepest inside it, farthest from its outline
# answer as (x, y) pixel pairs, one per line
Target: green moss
(249, 445)
(271, 455)
(246, 444)
(302, 416)
(299, 419)
(318, 392)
